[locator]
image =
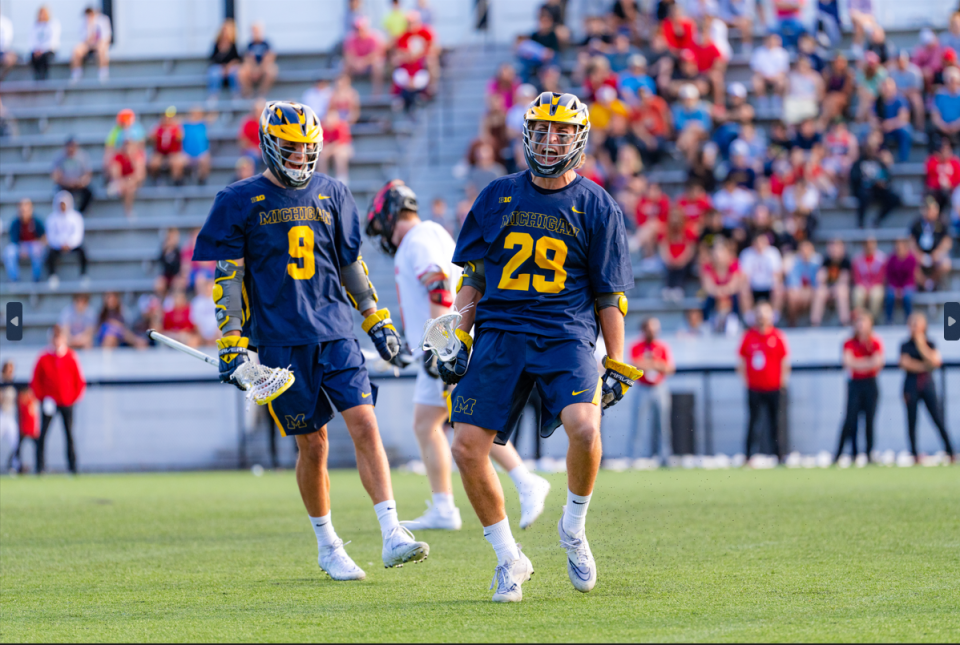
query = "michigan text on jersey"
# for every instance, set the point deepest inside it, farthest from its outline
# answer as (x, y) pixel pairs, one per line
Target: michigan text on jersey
(539, 220)
(295, 214)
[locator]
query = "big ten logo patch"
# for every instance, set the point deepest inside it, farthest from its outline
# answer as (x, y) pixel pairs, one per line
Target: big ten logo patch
(506, 200)
(464, 406)
(295, 421)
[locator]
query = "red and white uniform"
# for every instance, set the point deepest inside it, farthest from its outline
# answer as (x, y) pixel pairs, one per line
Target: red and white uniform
(426, 249)
(763, 356)
(869, 349)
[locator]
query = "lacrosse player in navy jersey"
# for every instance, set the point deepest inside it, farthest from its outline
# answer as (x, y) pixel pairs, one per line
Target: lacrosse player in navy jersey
(546, 265)
(287, 246)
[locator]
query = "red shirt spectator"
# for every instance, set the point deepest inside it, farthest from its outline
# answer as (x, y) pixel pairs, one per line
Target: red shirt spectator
(864, 350)
(416, 42)
(653, 114)
(178, 319)
(680, 33)
(250, 132)
(169, 138)
(58, 375)
(943, 173)
(694, 207)
(725, 279)
(707, 56)
(869, 270)
(763, 355)
(126, 164)
(27, 414)
(653, 208)
(338, 132)
(655, 350)
(360, 46)
(677, 245)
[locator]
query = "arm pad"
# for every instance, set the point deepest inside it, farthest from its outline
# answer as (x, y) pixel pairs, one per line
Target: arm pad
(359, 289)
(438, 287)
(228, 296)
(617, 300)
(473, 276)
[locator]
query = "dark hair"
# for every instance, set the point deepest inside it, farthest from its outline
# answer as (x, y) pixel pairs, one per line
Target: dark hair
(89, 10)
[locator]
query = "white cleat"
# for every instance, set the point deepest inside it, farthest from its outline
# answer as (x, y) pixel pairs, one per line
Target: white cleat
(337, 564)
(400, 547)
(507, 579)
(581, 567)
(532, 501)
(435, 519)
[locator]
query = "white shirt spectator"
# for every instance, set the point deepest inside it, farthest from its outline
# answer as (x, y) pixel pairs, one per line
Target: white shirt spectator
(98, 28)
(64, 226)
(734, 205)
(770, 62)
(318, 99)
(6, 34)
(45, 36)
(761, 268)
(808, 201)
(203, 315)
(720, 38)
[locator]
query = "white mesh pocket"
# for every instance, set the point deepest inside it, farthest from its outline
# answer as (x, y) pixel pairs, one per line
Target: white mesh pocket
(440, 338)
(263, 384)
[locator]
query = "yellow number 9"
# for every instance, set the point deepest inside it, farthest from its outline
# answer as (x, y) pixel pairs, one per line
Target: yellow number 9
(554, 264)
(301, 248)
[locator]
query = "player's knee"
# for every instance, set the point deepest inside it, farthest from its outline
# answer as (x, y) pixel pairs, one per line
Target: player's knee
(313, 447)
(463, 453)
(584, 434)
(364, 430)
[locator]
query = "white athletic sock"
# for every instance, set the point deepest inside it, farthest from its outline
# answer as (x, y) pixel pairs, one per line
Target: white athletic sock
(522, 478)
(323, 527)
(575, 514)
(501, 539)
(443, 502)
(387, 515)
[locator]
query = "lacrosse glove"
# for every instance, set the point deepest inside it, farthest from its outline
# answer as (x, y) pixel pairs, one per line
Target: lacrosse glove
(404, 357)
(383, 334)
(618, 378)
(453, 370)
(233, 353)
(430, 364)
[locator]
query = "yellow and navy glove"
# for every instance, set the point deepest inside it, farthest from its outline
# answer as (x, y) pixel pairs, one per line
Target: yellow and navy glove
(233, 353)
(618, 378)
(383, 334)
(453, 370)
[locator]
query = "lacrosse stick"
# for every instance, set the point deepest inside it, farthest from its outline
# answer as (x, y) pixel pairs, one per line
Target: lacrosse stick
(439, 337)
(262, 384)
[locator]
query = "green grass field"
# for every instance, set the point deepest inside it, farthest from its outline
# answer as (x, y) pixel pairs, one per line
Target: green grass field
(852, 555)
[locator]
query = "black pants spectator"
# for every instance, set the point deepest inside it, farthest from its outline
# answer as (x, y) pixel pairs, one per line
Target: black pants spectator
(925, 391)
(81, 197)
(66, 413)
(943, 198)
(935, 138)
(862, 396)
(756, 401)
(41, 64)
(882, 195)
(711, 303)
(53, 257)
(677, 276)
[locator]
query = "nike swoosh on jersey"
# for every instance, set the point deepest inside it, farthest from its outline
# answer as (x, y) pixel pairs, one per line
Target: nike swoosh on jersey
(574, 209)
(580, 392)
(366, 395)
(320, 196)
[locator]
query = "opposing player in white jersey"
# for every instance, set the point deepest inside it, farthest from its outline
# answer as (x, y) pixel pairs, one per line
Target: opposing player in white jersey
(425, 277)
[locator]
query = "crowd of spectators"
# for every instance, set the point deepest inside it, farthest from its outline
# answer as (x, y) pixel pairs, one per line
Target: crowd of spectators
(816, 130)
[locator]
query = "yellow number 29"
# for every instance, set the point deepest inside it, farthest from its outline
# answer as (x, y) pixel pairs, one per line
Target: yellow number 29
(521, 282)
(303, 266)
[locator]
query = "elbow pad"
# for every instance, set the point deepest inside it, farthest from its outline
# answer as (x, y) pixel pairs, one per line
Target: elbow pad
(359, 289)
(617, 300)
(228, 296)
(437, 284)
(473, 276)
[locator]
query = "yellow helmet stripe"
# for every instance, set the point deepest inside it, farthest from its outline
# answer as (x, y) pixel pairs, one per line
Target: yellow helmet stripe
(294, 132)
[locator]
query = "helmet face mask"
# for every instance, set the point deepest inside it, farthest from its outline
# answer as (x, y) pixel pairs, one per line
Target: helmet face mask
(391, 200)
(555, 130)
(290, 141)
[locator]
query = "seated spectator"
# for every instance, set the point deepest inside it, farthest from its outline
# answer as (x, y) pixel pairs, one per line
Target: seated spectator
(44, 43)
(317, 97)
(417, 48)
(605, 108)
(738, 13)
(112, 326)
(224, 62)
(394, 21)
(817, 175)
(712, 230)
(861, 16)
(72, 172)
(806, 136)
(740, 166)
(79, 322)
(869, 274)
(839, 85)
(8, 57)
(533, 59)
(928, 56)
(679, 30)
(127, 128)
(203, 314)
(64, 235)
(909, 81)
(176, 320)
(504, 84)
(694, 203)
(244, 169)
(652, 118)
(169, 258)
(733, 201)
(945, 110)
(248, 137)
(196, 144)
(943, 175)
(722, 281)
(598, 75)
(900, 274)
(677, 244)
(762, 267)
(842, 150)
(870, 180)
(621, 53)
(951, 37)
(635, 77)
(877, 43)
(789, 24)
(150, 311)
(126, 173)
(807, 48)
(653, 210)
(685, 73)
(27, 240)
(337, 145)
(802, 281)
(869, 78)
(931, 245)
(833, 283)
(167, 139)
(801, 198)
(365, 53)
(691, 118)
(693, 326)
(892, 111)
(770, 64)
(96, 36)
(804, 93)
(484, 167)
(754, 144)
(259, 68)
(704, 167)
(546, 33)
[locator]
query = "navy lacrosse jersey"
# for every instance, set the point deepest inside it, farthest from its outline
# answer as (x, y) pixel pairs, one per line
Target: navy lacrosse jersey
(293, 243)
(547, 255)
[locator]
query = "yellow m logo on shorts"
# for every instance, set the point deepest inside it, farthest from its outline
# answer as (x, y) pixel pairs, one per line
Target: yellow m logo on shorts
(464, 406)
(295, 422)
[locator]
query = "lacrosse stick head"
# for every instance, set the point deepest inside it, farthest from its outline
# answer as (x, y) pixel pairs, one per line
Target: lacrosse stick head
(263, 384)
(440, 338)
